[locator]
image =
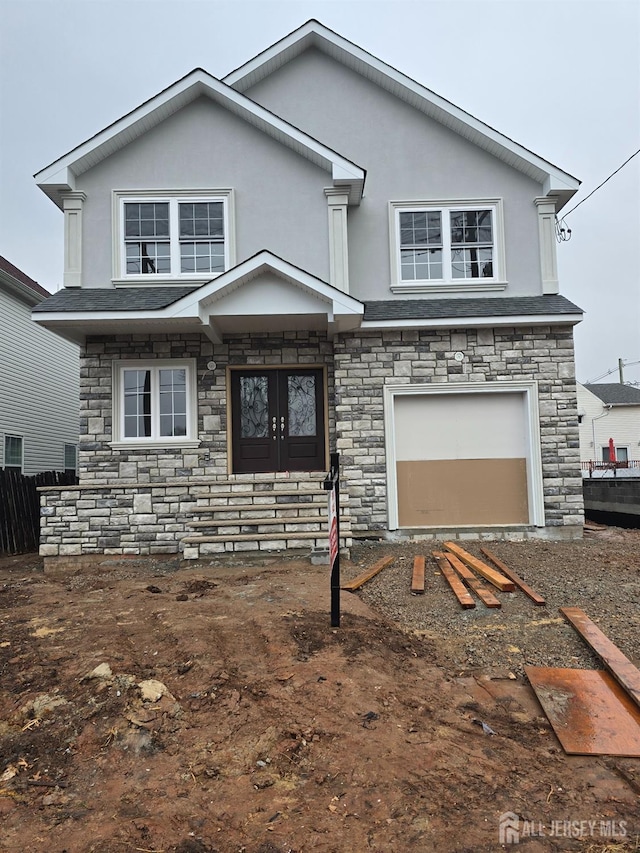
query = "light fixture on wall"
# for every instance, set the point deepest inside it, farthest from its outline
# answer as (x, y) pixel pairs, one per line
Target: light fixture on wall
(211, 365)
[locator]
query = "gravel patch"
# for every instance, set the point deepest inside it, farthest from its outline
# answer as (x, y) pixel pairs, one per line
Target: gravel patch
(600, 574)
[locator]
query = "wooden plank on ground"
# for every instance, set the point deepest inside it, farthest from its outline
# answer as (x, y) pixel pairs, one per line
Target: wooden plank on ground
(417, 580)
(356, 583)
(494, 577)
(537, 599)
(624, 672)
(484, 594)
(459, 589)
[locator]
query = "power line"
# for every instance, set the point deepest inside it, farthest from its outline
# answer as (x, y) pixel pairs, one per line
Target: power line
(564, 216)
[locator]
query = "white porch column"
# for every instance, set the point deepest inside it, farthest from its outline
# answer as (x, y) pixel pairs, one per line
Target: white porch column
(337, 201)
(547, 233)
(72, 205)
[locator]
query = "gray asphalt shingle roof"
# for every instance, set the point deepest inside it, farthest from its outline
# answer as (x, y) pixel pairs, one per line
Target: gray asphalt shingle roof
(614, 394)
(88, 299)
(154, 298)
(431, 309)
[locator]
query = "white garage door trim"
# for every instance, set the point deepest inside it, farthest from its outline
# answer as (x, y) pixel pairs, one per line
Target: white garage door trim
(534, 461)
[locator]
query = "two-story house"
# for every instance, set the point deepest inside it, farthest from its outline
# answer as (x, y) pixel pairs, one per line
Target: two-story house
(39, 380)
(313, 253)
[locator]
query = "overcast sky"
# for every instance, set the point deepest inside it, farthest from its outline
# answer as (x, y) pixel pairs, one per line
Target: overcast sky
(561, 77)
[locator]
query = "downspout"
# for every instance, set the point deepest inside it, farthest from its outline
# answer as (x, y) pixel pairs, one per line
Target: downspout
(593, 428)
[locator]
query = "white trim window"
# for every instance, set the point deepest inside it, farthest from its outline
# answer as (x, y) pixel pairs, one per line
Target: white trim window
(447, 245)
(155, 403)
(622, 453)
(173, 235)
(71, 458)
(13, 452)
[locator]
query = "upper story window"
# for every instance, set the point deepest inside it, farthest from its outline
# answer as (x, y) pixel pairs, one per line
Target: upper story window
(447, 246)
(169, 236)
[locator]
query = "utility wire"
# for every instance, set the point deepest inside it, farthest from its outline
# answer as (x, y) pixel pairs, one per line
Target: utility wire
(564, 216)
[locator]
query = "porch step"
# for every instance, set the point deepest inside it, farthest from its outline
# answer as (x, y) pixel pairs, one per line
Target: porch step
(249, 537)
(255, 522)
(261, 514)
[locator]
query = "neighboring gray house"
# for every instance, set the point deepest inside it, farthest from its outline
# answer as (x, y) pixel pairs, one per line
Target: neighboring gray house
(609, 411)
(39, 383)
(314, 253)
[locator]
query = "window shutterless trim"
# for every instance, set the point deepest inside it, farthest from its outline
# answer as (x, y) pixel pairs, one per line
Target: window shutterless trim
(447, 283)
(173, 198)
(155, 440)
(12, 466)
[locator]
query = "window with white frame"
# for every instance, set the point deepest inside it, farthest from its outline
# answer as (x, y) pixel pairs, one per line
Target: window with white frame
(621, 454)
(173, 235)
(454, 245)
(70, 458)
(13, 452)
(155, 402)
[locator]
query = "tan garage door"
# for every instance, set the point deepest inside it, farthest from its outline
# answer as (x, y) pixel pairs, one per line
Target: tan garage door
(461, 459)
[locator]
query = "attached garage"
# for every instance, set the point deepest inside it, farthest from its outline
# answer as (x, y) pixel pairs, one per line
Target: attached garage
(463, 456)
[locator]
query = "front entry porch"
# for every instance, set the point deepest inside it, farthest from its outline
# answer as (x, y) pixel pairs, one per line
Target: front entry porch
(198, 519)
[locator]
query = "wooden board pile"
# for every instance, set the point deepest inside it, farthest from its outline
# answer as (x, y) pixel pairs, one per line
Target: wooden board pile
(465, 574)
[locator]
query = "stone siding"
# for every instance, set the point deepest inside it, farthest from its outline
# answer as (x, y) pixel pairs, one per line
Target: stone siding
(138, 501)
(366, 361)
(100, 463)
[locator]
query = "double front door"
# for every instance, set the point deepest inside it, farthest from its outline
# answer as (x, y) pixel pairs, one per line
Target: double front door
(277, 419)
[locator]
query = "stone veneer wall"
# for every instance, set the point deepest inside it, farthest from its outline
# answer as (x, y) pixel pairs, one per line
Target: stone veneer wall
(99, 463)
(366, 361)
(142, 517)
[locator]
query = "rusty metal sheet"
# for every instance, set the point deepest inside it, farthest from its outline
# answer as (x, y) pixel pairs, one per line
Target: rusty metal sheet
(589, 711)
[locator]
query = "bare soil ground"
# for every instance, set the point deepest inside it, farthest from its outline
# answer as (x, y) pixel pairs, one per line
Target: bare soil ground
(276, 733)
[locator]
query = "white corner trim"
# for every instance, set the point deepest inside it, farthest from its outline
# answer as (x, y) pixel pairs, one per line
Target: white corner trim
(529, 388)
(72, 204)
(337, 204)
(547, 245)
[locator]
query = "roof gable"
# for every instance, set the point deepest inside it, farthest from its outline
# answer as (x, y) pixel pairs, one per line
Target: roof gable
(265, 292)
(557, 184)
(60, 175)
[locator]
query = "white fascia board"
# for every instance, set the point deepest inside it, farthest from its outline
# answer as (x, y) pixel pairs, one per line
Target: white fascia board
(394, 81)
(61, 173)
(475, 322)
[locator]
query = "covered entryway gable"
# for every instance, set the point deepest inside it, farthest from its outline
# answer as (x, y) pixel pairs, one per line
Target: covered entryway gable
(268, 294)
(276, 415)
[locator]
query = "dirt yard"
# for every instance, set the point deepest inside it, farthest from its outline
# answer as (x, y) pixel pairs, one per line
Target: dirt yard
(148, 706)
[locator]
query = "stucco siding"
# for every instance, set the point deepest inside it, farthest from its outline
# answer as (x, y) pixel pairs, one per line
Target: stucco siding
(279, 200)
(39, 381)
(408, 156)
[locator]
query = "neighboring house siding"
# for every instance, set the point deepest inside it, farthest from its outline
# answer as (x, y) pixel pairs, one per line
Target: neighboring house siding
(621, 423)
(38, 388)
(407, 156)
(279, 199)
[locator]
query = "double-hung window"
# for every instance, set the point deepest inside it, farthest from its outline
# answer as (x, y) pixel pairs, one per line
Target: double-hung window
(155, 402)
(167, 236)
(446, 245)
(13, 452)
